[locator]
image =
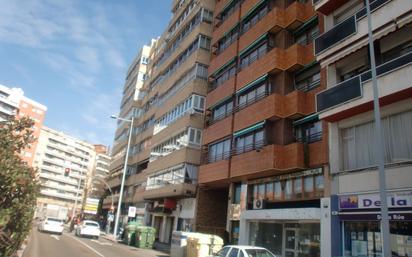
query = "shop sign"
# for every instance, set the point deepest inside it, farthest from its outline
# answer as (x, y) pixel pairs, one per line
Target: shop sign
(234, 212)
(132, 211)
(372, 201)
(376, 216)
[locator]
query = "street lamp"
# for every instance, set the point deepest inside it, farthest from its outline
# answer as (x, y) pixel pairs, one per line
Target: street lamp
(116, 224)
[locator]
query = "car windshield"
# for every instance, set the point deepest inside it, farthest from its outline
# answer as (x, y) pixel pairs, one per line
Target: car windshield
(258, 253)
(54, 220)
(91, 224)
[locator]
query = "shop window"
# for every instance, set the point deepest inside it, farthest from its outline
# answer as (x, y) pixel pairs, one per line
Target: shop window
(254, 94)
(219, 151)
(364, 238)
(288, 189)
(237, 190)
(308, 184)
(267, 235)
(307, 79)
(277, 190)
(309, 132)
(359, 144)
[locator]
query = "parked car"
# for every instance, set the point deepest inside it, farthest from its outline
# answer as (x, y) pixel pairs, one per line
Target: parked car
(243, 251)
(52, 225)
(88, 228)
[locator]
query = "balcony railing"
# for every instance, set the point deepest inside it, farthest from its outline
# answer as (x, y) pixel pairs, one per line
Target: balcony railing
(344, 29)
(352, 88)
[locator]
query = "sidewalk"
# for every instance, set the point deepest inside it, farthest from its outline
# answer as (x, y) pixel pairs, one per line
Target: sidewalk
(161, 247)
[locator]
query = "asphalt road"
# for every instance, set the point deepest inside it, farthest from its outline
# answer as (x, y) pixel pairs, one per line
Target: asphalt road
(68, 245)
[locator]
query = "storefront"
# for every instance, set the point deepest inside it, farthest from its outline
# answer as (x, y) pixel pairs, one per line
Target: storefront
(359, 224)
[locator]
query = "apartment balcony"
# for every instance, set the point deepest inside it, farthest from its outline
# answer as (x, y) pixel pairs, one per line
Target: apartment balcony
(318, 153)
(220, 5)
(111, 199)
(173, 190)
(117, 162)
(114, 181)
(58, 178)
(219, 129)
(54, 193)
(214, 172)
(291, 59)
(277, 19)
(327, 6)
(268, 160)
(293, 105)
(220, 59)
(355, 95)
(184, 155)
(140, 156)
(138, 195)
(222, 91)
(352, 34)
(225, 26)
(56, 186)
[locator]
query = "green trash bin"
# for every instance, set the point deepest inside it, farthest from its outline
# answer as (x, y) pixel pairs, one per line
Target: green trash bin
(145, 237)
(130, 233)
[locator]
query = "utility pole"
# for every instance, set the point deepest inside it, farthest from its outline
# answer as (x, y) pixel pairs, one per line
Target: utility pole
(385, 229)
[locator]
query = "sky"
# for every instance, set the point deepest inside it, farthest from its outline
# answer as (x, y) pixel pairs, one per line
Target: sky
(73, 55)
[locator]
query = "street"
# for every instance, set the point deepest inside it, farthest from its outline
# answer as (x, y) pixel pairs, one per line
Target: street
(68, 245)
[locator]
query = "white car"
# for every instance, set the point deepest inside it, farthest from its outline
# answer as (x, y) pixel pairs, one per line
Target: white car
(243, 251)
(53, 225)
(88, 228)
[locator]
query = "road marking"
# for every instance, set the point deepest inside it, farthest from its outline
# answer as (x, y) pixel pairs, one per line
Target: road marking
(55, 237)
(100, 243)
(90, 248)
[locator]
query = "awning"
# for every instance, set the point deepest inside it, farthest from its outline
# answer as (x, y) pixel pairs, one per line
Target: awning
(252, 84)
(224, 66)
(226, 6)
(250, 12)
(256, 42)
(306, 25)
(306, 119)
(229, 30)
(249, 129)
(220, 102)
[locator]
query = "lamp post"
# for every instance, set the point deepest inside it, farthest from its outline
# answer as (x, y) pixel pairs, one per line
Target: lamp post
(116, 224)
(386, 247)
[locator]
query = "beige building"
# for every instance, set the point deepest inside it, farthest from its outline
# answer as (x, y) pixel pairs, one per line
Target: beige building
(166, 145)
(96, 184)
(64, 164)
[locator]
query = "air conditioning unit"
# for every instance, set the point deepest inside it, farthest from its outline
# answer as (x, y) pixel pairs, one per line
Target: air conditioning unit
(258, 204)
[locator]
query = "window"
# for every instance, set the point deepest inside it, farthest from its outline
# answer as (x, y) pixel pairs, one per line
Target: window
(308, 78)
(255, 53)
(396, 44)
(228, 39)
(219, 151)
(222, 111)
(223, 251)
(235, 226)
(250, 141)
(204, 42)
(224, 75)
(229, 10)
(297, 187)
(185, 173)
(234, 252)
(306, 36)
(359, 144)
(255, 17)
(145, 60)
(254, 94)
(237, 189)
(309, 132)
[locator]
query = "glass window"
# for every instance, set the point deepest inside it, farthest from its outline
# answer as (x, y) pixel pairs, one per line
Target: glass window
(234, 252)
(277, 189)
(237, 189)
(267, 235)
(319, 182)
(297, 187)
(235, 233)
(308, 184)
(308, 78)
(223, 251)
(288, 189)
(269, 192)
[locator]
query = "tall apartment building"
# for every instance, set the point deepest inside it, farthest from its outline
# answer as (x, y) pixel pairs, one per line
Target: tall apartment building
(96, 185)
(129, 108)
(351, 215)
(64, 164)
(166, 148)
(14, 103)
(264, 169)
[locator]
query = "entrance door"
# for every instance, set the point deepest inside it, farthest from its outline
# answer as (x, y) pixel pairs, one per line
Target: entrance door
(291, 242)
(158, 225)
